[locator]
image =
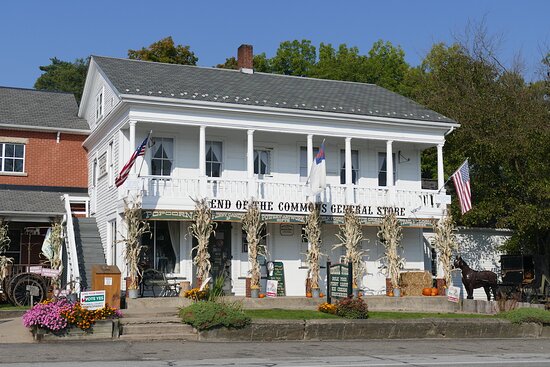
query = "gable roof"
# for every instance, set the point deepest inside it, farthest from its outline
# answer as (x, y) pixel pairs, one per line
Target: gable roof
(30, 108)
(144, 78)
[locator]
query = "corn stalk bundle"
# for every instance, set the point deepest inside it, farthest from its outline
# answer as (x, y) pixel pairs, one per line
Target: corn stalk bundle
(202, 228)
(351, 236)
(445, 244)
(136, 227)
(390, 236)
(253, 226)
(313, 255)
(4, 245)
(56, 243)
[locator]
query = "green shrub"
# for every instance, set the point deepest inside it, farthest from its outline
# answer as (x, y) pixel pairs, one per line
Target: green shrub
(207, 315)
(352, 308)
(521, 315)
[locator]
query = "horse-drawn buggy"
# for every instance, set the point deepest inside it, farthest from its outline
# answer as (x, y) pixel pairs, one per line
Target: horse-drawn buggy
(521, 280)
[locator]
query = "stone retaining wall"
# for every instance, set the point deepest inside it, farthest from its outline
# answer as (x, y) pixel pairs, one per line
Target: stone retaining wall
(270, 330)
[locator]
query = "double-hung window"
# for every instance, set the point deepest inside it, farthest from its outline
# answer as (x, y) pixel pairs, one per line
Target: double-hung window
(99, 105)
(382, 169)
(262, 162)
(303, 162)
(354, 166)
(213, 158)
(12, 157)
(162, 157)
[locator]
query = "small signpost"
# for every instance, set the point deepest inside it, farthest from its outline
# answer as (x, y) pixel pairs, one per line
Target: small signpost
(339, 281)
(92, 300)
(453, 294)
(271, 288)
(276, 271)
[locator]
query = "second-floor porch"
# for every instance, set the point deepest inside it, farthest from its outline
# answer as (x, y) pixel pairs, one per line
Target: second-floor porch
(170, 193)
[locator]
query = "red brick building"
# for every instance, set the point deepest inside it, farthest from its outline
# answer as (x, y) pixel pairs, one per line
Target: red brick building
(41, 159)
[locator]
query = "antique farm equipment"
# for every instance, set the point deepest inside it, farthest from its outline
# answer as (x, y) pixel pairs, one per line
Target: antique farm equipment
(25, 288)
(476, 279)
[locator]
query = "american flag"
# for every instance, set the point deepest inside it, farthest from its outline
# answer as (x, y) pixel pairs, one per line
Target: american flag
(461, 179)
(125, 171)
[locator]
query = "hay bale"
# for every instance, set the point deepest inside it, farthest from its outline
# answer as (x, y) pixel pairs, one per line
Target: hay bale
(412, 282)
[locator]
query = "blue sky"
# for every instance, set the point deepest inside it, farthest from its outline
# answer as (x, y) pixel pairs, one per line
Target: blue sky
(32, 31)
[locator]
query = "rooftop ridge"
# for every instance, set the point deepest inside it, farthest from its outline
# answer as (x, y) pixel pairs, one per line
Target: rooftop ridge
(36, 90)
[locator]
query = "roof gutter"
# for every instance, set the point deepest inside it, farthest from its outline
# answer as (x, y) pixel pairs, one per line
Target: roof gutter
(46, 129)
(279, 111)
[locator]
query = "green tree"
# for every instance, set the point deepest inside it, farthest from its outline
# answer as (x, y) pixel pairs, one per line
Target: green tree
(386, 65)
(260, 62)
(165, 51)
(294, 58)
(505, 133)
(344, 64)
(64, 76)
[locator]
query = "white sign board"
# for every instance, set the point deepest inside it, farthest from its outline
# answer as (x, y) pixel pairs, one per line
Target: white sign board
(50, 273)
(92, 300)
(271, 288)
(443, 199)
(453, 294)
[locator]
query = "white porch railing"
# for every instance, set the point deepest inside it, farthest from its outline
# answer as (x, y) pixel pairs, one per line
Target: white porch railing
(73, 268)
(164, 189)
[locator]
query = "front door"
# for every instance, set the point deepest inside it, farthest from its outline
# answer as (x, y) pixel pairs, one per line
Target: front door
(219, 248)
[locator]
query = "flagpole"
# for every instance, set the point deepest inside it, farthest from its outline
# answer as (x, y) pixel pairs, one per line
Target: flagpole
(146, 146)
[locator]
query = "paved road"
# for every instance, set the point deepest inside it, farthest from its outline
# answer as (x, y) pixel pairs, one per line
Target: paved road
(452, 352)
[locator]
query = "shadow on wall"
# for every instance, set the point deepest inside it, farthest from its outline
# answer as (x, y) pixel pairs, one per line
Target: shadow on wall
(479, 247)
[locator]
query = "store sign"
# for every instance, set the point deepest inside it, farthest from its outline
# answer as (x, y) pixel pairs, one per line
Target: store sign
(276, 271)
(219, 216)
(339, 281)
(92, 300)
(271, 288)
(453, 294)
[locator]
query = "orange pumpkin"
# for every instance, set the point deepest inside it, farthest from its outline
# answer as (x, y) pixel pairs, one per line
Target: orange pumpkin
(390, 294)
(434, 292)
(309, 295)
(321, 295)
(426, 291)
(262, 295)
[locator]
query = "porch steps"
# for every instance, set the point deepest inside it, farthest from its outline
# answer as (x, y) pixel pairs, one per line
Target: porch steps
(160, 324)
(89, 248)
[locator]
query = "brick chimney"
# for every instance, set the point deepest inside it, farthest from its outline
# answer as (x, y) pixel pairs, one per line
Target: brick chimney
(245, 59)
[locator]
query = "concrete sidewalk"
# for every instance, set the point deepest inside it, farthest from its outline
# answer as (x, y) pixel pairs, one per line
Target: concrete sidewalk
(13, 331)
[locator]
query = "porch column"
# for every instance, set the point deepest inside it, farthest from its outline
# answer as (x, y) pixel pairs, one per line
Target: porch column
(202, 161)
(349, 175)
(440, 173)
(250, 163)
(309, 153)
(132, 145)
(389, 164)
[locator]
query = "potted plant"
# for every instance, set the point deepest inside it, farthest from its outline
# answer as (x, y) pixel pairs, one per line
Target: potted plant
(445, 244)
(202, 228)
(253, 226)
(313, 256)
(390, 236)
(136, 227)
(351, 236)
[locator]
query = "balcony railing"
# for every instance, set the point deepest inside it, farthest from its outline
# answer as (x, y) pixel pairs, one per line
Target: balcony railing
(181, 192)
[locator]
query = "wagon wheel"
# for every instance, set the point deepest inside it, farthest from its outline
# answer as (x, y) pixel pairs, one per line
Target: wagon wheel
(21, 295)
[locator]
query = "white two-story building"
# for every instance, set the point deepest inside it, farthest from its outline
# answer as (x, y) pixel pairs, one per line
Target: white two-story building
(236, 135)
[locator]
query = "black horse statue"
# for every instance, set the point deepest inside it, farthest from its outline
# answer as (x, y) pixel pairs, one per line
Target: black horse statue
(476, 279)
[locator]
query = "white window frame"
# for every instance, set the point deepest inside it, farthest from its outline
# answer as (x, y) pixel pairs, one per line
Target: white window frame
(100, 104)
(257, 152)
(343, 167)
(112, 241)
(158, 142)
(220, 161)
(394, 158)
(3, 157)
(303, 151)
(111, 163)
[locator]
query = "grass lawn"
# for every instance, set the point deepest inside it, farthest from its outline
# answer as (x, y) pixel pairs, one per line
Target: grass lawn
(281, 314)
(10, 307)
